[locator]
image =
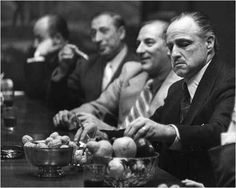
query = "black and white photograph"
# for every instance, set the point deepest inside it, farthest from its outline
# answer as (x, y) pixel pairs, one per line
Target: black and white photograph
(118, 93)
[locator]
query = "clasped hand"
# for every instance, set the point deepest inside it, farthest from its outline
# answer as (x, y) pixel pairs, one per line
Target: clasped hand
(144, 127)
(89, 123)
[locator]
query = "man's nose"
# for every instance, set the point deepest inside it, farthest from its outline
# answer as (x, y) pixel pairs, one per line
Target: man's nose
(97, 37)
(140, 49)
(175, 52)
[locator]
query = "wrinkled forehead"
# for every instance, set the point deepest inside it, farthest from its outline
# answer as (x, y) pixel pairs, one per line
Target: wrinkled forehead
(185, 26)
(152, 30)
(102, 21)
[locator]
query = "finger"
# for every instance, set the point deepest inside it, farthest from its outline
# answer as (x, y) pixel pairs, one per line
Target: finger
(134, 127)
(86, 130)
(55, 121)
(141, 132)
(77, 136)
(79, 52)
(129, 127)
(57, 118)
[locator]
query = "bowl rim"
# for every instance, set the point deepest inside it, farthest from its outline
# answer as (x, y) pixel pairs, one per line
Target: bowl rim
(48, 149)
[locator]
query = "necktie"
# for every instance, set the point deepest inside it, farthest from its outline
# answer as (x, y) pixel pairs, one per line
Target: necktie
(107, 76)
(141, 107)
(184, 103)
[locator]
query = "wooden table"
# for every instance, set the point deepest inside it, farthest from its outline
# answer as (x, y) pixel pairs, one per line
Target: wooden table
(35, 119)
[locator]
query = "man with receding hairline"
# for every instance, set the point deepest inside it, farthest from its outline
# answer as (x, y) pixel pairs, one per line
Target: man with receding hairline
(197, 108)
(90, 77)
(50, 35)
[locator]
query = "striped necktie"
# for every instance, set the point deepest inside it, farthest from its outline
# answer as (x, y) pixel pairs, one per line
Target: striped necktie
(141, 107)
(184, 103)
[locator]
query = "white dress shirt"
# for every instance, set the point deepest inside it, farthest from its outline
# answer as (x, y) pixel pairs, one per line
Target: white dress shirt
(112, 66)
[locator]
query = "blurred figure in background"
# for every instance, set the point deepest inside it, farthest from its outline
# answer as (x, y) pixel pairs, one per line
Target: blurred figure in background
(140, 89)
(50, 48)
(50, 35)
(91, 77)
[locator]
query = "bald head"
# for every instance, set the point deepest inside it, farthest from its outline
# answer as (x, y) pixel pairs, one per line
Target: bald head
(50, 27)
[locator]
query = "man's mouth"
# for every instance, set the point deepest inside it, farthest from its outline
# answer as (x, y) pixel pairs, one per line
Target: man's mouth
(176, 63)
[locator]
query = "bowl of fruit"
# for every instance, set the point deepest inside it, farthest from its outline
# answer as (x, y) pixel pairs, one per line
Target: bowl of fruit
(127, 162)
(49, 155)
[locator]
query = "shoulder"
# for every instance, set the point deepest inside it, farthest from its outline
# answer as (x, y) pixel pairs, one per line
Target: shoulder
(131, 68)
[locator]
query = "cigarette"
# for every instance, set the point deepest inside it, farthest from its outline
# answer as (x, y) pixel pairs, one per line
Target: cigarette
(79, 52)
(82, 54)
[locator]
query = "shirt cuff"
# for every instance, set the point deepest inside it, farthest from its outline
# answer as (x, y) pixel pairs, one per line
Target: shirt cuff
(176, 145)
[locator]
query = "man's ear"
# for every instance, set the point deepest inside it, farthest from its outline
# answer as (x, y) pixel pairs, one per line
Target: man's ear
(122, 32)
(210, 43)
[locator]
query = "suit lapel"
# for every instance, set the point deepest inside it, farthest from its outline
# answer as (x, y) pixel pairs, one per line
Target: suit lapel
(203, 91)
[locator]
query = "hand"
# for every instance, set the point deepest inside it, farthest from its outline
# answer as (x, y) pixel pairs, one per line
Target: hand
(65, 119)
(67, 58)
(191, 183)
(144, 127)
(47, 47)
(90, 125)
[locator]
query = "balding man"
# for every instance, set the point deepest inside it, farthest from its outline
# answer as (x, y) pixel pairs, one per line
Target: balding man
(197, 108)
(125, 96)
(50, 36)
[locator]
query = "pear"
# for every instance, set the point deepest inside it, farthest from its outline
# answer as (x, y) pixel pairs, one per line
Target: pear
(102, 148)
(116, 168)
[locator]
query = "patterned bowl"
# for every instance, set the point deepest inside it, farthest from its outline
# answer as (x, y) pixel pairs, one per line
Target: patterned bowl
(126, 172)
(49, 160)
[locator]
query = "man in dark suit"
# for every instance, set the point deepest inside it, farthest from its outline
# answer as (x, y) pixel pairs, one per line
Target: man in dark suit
(50, 35)
(123, 93)
(89, 78)
(198, 108)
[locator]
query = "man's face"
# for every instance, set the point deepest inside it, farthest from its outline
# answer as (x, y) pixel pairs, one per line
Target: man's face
(187, 49)
(151, 48)
(105, 35)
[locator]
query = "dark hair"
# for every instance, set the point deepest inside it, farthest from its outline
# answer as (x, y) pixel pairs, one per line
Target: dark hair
(203, 22)
(117, 19)
(57, 23)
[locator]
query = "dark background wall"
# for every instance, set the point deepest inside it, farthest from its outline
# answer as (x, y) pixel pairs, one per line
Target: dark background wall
(16, 34)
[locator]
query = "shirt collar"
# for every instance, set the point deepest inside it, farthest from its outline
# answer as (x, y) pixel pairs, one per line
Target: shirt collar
(193, 83)
(116, 61)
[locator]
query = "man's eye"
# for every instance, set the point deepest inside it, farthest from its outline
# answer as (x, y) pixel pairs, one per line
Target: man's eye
(149, 42)
(183, 44)
(104, 30)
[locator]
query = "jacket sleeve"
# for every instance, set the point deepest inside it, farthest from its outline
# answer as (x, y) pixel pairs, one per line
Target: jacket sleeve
(107, 103)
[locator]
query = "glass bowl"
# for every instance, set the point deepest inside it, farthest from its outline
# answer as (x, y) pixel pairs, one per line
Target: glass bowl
(49, 160)
(135, 171)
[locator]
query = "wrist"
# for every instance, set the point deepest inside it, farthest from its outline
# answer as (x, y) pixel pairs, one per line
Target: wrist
(171, 133)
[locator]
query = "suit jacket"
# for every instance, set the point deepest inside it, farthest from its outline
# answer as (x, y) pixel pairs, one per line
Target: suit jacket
(121, 95)
(223, 162)
(84, 84)
(37, 75)
(209, 115)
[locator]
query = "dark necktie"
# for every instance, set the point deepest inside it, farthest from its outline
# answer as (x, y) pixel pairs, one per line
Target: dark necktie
(141, 107)
(184, 103)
